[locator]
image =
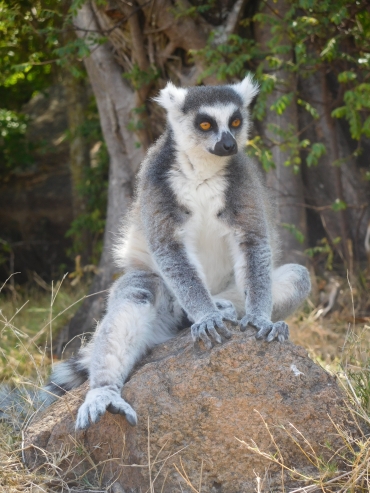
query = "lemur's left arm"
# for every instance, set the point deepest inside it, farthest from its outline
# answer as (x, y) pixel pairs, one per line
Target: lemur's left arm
(253, 266)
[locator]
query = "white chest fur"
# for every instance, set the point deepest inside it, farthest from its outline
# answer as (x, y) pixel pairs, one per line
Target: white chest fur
(204, 234)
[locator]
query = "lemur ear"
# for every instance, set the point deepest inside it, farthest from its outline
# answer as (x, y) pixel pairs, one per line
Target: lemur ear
(171, 97)
(247, 89)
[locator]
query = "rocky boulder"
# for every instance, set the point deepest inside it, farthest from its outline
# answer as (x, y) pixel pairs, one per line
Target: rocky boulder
(194, 408)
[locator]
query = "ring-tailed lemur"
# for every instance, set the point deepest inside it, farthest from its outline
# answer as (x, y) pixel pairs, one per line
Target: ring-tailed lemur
(199, 247)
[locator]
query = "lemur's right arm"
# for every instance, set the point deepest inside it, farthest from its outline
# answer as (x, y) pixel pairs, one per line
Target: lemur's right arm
(160, 224)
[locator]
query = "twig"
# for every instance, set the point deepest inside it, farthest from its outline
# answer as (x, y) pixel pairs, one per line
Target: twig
(107, 32)
(11, 275)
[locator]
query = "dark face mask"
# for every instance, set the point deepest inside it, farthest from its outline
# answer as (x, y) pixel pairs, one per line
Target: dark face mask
(227, 146)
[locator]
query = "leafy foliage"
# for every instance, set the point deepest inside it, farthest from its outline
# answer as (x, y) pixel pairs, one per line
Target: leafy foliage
(295, 232)
(301, 38)
(332, 36)
(27, 40)
(93, 188)
(37, 45)
(324, 251)
(15, 150)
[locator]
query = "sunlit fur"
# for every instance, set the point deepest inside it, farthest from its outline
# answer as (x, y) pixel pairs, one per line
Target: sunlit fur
(199, 246)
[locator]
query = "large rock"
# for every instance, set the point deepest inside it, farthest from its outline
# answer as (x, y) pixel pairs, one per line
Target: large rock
(192, 406)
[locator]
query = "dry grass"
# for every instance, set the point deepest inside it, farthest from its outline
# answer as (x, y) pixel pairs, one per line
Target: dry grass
(341, 343)
(28, 323)
(348, 468)
(27, 328)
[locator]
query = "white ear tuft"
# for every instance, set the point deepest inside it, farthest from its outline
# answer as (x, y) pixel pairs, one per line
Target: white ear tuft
(171, 97)
(247, 89)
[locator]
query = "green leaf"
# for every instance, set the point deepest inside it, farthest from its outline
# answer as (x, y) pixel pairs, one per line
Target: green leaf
(317, 150)
(339, 112)
(347, 76)
(298, 235)
(328, 52)
(339, 205)
(366, 127)
(282, 103)
(309, 108)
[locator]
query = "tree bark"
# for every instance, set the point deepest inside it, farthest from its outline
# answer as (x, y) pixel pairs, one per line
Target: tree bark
(77, 101)
(286, 185)
(336, 176)
(115, 101)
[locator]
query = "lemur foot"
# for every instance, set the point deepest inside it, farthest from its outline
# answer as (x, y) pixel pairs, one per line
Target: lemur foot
(227, 310)
(266, 329)
(208, 323)
(100, 400)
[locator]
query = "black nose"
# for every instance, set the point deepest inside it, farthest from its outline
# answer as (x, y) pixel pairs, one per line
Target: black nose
(227, 146)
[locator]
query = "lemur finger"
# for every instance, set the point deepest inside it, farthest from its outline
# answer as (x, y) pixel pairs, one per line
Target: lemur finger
(203, 335)
(261, 334)
(273, 334)
(279, 331)
(233, 321)
(223, 329)
(283, 331)
(213, 332)
(195, 332)
(244, 322)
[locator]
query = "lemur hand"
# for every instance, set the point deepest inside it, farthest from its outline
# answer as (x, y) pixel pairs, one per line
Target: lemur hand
(266, 329)
(208, 323)
(100, 400)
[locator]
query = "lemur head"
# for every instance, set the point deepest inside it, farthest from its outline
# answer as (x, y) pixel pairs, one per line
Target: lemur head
(214, 119)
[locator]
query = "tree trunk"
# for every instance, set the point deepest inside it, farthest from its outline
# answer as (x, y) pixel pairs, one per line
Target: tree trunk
(115, 102)
(336, 177)
(77, 101)
(285, 184)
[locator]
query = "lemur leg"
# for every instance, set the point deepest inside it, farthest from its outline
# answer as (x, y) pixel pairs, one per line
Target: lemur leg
(227, 309)
(232, 297)
(140, 314)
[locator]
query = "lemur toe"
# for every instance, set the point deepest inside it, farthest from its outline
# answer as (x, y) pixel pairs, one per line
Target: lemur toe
(100, 400)
(82, 421)
(228, 312)
(121, 407)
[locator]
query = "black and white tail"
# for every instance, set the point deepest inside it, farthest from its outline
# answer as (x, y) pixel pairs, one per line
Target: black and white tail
(66, 376)
(20, 404)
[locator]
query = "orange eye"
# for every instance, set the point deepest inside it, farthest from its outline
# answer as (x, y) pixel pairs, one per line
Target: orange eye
(205, 125)
(236, 122)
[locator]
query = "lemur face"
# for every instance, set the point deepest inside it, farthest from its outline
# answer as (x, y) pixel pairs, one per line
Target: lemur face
(218, 127)
(211, 119)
